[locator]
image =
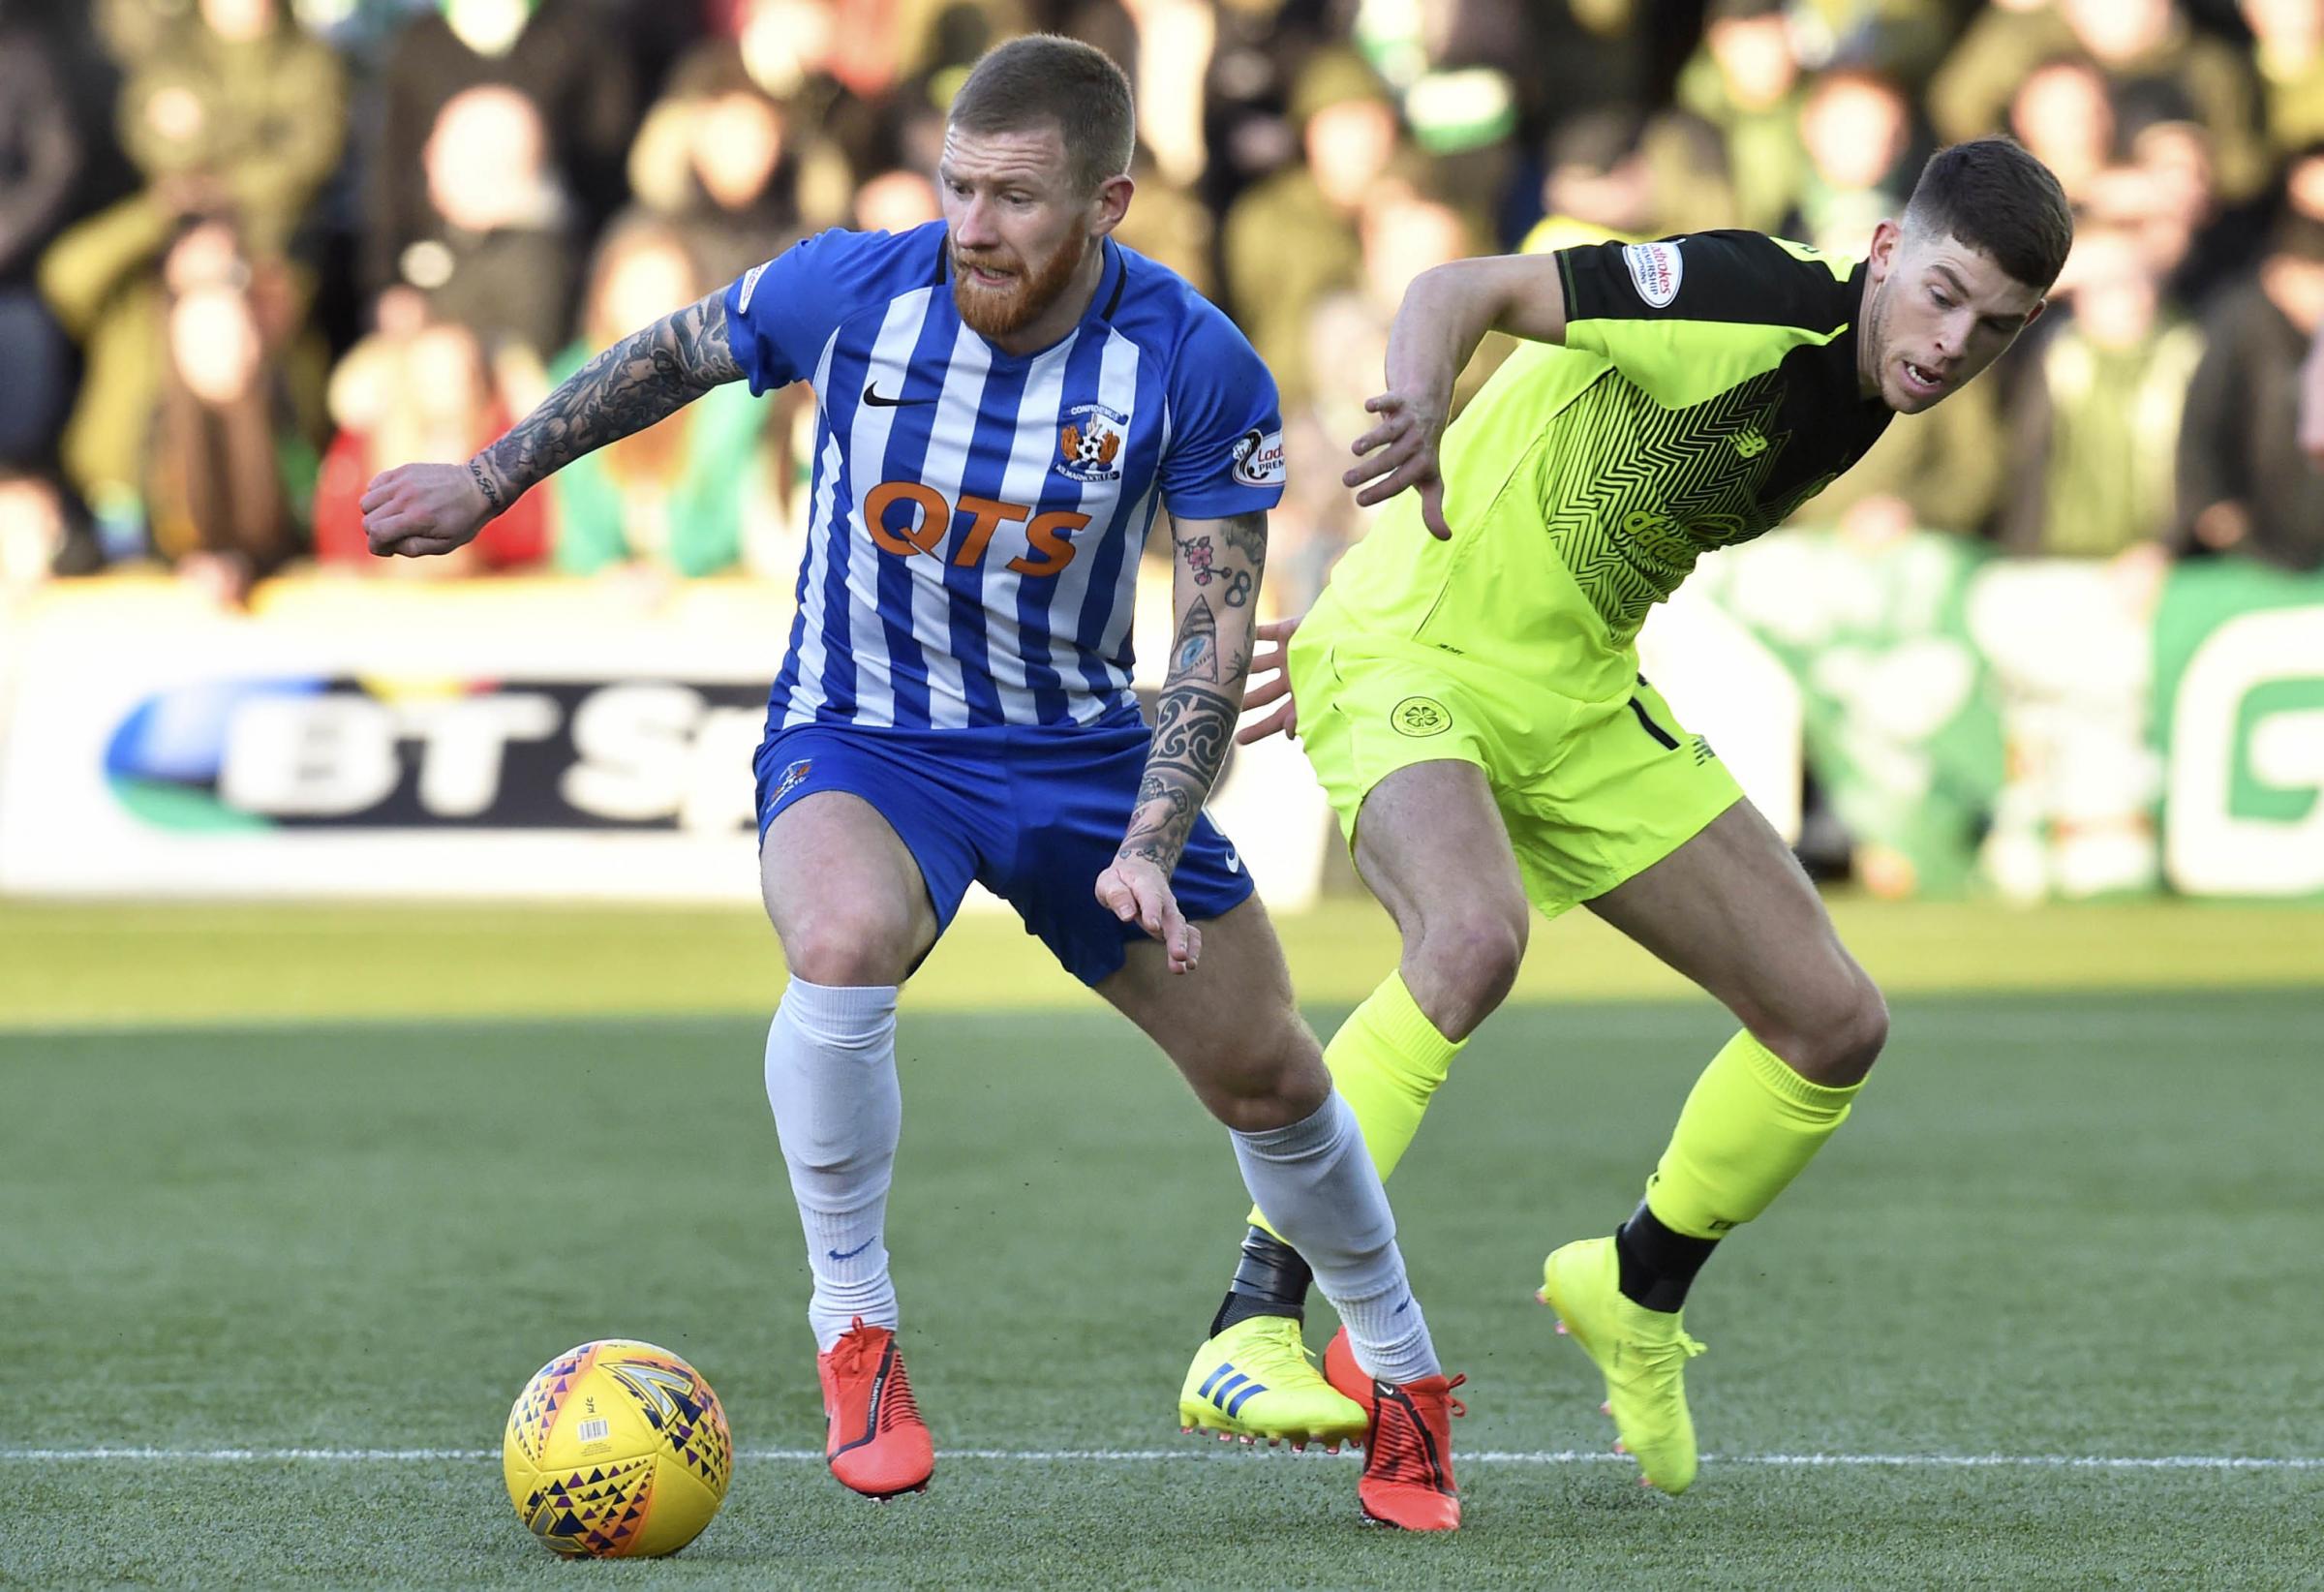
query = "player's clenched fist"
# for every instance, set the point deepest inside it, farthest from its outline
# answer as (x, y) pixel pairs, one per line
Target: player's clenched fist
(417, 509)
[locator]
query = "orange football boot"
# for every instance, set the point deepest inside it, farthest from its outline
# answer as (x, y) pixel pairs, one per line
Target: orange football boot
(878, 1443)
(1345, 1375)
(1408, 1452)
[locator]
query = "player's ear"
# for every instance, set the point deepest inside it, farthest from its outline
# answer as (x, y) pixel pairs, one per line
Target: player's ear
(1110, 203)
(1882, 255)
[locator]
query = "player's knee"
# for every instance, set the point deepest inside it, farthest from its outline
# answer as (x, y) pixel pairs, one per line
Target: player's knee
(1867, 1029)
(1835, 1039)
(849, 947)
(1267, 1085)
(1465, 965)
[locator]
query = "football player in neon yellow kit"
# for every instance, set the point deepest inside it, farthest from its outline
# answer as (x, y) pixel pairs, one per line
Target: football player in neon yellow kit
(1468, 690)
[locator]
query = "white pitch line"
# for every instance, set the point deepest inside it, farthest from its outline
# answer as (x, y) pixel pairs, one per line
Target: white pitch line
(1045, 1457)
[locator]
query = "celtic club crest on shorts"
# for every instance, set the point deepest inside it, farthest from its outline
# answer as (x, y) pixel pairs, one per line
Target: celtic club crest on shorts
(1090, 443)
(1419, 716)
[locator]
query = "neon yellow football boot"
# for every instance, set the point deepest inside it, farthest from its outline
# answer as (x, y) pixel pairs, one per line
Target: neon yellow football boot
(1256, 1380)
(1642, 1353)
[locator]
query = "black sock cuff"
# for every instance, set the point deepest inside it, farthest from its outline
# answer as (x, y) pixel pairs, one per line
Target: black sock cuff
(1271, 1279)
(1656, 1265)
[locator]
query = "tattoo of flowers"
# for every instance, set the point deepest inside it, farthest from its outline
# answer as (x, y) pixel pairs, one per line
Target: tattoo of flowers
(1197, 559)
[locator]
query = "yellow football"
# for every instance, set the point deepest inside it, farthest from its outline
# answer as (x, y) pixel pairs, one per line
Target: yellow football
(617, 1449)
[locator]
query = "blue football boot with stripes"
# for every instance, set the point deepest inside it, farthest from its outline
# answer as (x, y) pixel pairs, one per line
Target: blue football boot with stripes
(1257, 1381)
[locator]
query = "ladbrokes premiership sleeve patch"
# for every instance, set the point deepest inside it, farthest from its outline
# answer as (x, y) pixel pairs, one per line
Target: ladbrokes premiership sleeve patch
(1259, 458)
(1226, 444)
(1654, 270)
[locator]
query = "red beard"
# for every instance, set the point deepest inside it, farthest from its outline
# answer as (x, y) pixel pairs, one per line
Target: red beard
(1025, 296)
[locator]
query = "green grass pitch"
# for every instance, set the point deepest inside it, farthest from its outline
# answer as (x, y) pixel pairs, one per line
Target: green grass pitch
(2061, 1226)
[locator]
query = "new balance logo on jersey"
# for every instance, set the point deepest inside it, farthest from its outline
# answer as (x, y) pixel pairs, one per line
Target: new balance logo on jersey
(1750, 443)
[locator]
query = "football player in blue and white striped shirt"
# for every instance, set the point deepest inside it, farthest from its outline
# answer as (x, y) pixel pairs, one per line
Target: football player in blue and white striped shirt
(1005, 400)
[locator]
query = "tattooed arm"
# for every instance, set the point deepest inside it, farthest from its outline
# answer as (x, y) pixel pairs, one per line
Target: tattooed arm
(1216, 572)
(421, 509)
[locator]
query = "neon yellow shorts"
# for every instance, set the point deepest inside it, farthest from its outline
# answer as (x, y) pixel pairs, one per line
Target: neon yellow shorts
(1593, 792)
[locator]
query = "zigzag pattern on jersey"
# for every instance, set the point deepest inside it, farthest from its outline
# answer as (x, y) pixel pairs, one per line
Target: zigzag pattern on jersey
(1635, 493)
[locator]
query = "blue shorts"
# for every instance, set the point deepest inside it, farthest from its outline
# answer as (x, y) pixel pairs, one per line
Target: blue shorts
(1033, 814)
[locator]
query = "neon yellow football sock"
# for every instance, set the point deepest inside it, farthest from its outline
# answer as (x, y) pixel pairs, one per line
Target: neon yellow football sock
(1387, 1059)
(1748, 1127)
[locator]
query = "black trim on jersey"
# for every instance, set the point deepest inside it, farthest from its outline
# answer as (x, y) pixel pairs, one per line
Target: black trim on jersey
(1823, 413)
(1726, 275)
(1121, 280)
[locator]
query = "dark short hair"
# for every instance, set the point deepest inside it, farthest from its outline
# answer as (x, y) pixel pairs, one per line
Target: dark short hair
(1044, 79)
(1999, 200)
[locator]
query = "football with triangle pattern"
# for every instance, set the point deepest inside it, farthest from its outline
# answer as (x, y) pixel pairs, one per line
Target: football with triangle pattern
(617, 1449)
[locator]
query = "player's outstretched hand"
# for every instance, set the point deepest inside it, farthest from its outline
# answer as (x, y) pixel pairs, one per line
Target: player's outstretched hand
(1137, 891)
(1271, 682)
(417, 509)
(1399, 451)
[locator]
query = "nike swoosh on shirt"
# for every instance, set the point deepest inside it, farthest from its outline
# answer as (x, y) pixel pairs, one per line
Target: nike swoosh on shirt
(872, 396)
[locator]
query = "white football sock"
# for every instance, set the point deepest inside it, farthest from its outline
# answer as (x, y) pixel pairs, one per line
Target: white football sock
(1318, 1188)
(831, 1078)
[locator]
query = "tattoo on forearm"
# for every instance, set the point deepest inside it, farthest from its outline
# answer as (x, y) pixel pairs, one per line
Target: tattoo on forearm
(487, 485)
(1196, 657)
(1163, 809)
(644, 378)
(1202, 693)
(1246, 534)
(1191, 730)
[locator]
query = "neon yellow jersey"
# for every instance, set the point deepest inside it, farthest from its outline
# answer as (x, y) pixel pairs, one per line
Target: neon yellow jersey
(1708, 388)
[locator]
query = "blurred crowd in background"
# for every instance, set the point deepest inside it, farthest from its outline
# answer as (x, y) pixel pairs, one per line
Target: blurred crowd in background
(253, 251)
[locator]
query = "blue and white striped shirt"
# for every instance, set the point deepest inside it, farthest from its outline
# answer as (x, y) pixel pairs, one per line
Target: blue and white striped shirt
(975, 516)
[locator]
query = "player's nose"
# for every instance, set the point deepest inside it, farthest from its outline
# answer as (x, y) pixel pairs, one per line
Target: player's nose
(974, 228)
